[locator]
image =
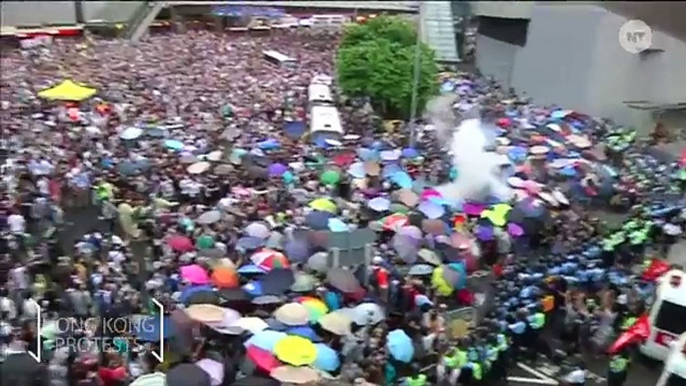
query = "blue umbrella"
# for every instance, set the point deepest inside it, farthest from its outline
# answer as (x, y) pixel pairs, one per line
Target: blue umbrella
(391, 155)
(460, 267)
(254, 288)
(379, 204)
(173, 144)
(517, 154)
(188, 291)
(148, 328)
(269, 144)
(390, 169)
(128, 168)
(327, 358)
(367, 154)
(266, 340)
(250, 269)
(431, 210)
(357, 170)
(568, 171)
(402, 179)
(336, 225)
(400, 346)
(249, 243)
(410, 152)
(318, 220)
(297, 250)
(305, 332)
(155, 132)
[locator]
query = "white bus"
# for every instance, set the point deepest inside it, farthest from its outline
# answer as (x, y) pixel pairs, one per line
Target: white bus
(674, 373)
(328, 21)
(325, 121)
(280, 60)
(322, 79)
(667, 316)
(319, 94)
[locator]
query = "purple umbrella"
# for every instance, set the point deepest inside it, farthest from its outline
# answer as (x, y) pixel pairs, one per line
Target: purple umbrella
(515, 230)
(473, 209)
(406, 248)
(485, 233)
(297, 250)
(277, 170)
(431, 210)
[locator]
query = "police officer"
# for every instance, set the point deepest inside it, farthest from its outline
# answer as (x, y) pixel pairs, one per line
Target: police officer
(417, 379)
(618, 369)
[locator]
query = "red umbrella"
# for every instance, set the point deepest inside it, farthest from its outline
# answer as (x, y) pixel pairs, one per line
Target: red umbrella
(344, 159)
(656, 269)
(263, 359)
(181, 244)
(638, 332)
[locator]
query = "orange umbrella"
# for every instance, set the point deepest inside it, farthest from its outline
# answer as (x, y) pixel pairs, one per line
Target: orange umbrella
(224, 277)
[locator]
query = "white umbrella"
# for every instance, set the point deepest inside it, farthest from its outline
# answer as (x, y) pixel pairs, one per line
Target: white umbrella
(154, 379)
(367, 314)
(672, 230)
(214, 156)
(198, 168)
(257, 229)
(131, 133)
(210, 217)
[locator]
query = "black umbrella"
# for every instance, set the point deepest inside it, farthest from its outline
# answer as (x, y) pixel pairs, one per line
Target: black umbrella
(187, 374)
(21, 369)
(277, 281)
(343, 280)
(234, 295)
(204, 297)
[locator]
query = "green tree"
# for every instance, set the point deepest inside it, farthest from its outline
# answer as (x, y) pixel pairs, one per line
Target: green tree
(377, 59)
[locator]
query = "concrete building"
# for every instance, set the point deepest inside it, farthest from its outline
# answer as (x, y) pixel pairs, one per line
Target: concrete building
(569, 54)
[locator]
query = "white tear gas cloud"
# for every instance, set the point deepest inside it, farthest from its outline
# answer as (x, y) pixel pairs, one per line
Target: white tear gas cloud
(478, 170)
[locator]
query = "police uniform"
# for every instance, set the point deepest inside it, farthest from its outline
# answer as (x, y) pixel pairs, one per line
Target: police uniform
(617, 371)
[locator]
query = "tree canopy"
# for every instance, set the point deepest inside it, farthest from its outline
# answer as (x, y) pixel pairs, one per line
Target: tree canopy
(377, 59)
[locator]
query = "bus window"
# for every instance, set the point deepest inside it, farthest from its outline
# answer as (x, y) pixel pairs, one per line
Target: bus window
(280, 60)
(675, 380)
(671, 318)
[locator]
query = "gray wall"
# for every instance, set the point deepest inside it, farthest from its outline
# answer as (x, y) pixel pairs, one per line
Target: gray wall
(110, 11)
(573, 58)
(36, 13)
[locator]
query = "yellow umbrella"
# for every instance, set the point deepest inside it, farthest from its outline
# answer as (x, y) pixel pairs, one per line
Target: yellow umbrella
(296, 351)
(439, 283)
(324, 205)
(497, 215)
(68, 91)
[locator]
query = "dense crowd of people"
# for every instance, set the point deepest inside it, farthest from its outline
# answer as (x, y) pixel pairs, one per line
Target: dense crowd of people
(210, 208)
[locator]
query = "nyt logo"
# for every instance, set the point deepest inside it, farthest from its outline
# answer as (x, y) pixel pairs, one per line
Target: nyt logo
(635, 36)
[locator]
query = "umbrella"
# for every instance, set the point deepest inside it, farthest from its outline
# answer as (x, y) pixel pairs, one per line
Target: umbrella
(318, 220)
(277, 170)
(421, 270)
(324, 205)
(295, 375)
(205, 313)
(228, 319)
(394, 222)
(514, 230)
(268, 259)
(337, 323)
(406, 247)
(253, 288)
(304, 332)
(249, 243)
(263, 359)
(173, 144)
(210, 217)
(485, 233)
(296, 351)
(266, 340)
(188, 159)
(266, 299)
(400, 346)
(303, 282)
(202, 297)
(223, 277)
(154, 379)
(199, 167)
(204, 242)
(194, 274)
(402, 179)
(343, 280)
(443, 286)
(330, 177)
(222, 170)
(257, 229)
(255, 380)
(131, 133)
(391, 155)
(214, 369)
(411, 232)
(372, 168)
(269, 144)
(181, 244)
(327, 358)
(297, 249)
(337, 225)
(232, 295)
(277, 281)
(357, 170)
(129, 168)
(390, 169)
(251, 324)
(292, 314)
(186, 374)
(639, 332)
(367, 314)
(379, 204)
(429, 256)
(431, 210)
(407, 197)
(316, 307)
(319, 262)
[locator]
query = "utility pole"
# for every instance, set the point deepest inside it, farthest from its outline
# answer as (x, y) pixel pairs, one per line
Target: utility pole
(417, 73)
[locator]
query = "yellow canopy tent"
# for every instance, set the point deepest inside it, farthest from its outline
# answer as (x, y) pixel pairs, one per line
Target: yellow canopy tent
(68, 91)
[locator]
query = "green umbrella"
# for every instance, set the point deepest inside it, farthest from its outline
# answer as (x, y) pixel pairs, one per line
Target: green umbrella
(205, 242)
(399, 208)
(330, 177)
(682, 174)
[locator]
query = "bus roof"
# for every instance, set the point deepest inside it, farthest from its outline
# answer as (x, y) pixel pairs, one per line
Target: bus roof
(676, 361)
(325, 118)
(320, 93)
(278, 56)
(672, 287)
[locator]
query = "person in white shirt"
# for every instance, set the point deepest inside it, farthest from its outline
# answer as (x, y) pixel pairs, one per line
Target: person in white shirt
(30, 308)
(17, 223)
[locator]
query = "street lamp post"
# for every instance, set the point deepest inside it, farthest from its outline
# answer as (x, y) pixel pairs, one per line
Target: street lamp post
(417, 73)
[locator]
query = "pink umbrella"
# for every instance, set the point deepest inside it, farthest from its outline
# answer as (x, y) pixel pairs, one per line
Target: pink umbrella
(181, 244)
(428, 193)
(472, 209)
(195, 274)
(532, 187)
(515, 230)
(214, 369)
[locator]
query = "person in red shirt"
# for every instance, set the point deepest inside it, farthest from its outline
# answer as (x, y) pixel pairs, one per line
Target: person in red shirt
(114, 374)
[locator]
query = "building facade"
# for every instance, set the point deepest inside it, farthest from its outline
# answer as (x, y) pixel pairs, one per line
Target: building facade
(570, 55)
